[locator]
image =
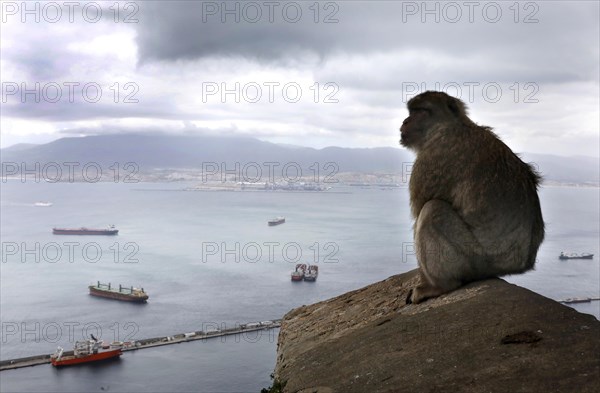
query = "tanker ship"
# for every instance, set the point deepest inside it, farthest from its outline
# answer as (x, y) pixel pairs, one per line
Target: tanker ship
(276, 221)
(111, 230)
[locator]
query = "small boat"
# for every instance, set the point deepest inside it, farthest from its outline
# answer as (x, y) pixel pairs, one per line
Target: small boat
(312, 274)
(276, 221)
(128, 294)
(116, 345)
(111, 230)
(43, 204)
(84, 352)
(298, 274)
(575, 256)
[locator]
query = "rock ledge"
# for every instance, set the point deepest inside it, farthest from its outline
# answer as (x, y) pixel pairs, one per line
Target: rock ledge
(489, 336)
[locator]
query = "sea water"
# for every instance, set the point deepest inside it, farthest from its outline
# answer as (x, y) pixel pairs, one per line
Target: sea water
(209, 260)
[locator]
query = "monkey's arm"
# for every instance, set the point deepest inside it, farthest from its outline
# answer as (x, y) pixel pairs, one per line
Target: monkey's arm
(448, 252)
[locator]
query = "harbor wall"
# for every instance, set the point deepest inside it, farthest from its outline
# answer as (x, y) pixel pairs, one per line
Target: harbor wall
(151, 342)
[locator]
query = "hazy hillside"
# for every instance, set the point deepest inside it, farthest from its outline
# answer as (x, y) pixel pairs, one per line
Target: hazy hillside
(171, 151)
(577, 169)
(19, 147)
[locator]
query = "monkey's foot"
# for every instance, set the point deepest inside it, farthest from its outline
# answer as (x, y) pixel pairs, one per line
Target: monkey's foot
(409, 297)
(422, 293)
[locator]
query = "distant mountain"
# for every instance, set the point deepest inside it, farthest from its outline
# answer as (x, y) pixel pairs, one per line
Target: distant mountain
(19, 147)
(576, 169)
(153, 151)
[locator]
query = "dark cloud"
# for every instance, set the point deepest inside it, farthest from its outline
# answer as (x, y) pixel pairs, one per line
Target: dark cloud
(372, 52)
(189, 30)
(550, 47)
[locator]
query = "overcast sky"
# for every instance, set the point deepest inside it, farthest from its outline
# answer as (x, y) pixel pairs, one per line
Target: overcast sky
(306, 73)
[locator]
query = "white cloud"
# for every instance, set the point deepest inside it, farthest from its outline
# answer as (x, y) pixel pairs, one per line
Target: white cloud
(371, 56)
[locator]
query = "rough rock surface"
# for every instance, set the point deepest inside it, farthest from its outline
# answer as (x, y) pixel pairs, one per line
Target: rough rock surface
(489, 336)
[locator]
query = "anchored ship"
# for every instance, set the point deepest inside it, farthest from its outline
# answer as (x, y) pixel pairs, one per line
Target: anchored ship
(84, 352)
(312, 274)
(111, 230)
(128, 294)
(298, 274)
(575, 256)
(276, 221)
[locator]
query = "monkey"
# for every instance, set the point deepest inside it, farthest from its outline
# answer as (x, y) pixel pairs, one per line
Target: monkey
(475, 203)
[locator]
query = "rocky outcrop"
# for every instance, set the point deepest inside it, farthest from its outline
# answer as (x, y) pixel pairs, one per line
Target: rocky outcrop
(489, 336)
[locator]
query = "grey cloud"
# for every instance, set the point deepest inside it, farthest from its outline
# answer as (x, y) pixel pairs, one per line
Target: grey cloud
(40, 51)
(39, 60)
(553, 46)
(371, 53)
(182, 30)
(147, 130)
(81, 110)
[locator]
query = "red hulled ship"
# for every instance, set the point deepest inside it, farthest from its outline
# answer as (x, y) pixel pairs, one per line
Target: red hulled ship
(298, 274)
(84, 352)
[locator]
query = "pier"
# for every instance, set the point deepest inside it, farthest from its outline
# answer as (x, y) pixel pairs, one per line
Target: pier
(579, 300)
(30, 361)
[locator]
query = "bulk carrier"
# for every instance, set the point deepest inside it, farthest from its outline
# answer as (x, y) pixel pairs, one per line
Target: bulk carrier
(128, 294)
(564, 256)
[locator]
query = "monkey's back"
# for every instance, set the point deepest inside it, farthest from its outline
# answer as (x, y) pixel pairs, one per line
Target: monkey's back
(488, 186)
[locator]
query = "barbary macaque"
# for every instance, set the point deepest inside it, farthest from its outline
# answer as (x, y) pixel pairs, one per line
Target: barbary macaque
(475, 203)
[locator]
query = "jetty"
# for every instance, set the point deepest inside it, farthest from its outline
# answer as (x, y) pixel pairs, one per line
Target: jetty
(37, 360)
(579, 300)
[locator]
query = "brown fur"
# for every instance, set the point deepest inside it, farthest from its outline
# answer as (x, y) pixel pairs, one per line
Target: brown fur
(475, 203)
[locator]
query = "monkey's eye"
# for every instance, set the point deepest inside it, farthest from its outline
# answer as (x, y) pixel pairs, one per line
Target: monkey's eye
(419, 111)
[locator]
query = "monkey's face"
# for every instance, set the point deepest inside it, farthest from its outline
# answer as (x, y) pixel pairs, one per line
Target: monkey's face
(429, 111)
(414, 127)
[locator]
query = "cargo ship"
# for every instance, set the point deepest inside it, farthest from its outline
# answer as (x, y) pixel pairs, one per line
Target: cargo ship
(312, 273)
(84, 352)
(575, 256)
(276, 221)
(298, 274)
(111, 230)
(128, 294)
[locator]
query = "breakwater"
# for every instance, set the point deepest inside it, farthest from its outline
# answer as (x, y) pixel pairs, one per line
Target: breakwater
(579, 300)
(152, 342)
